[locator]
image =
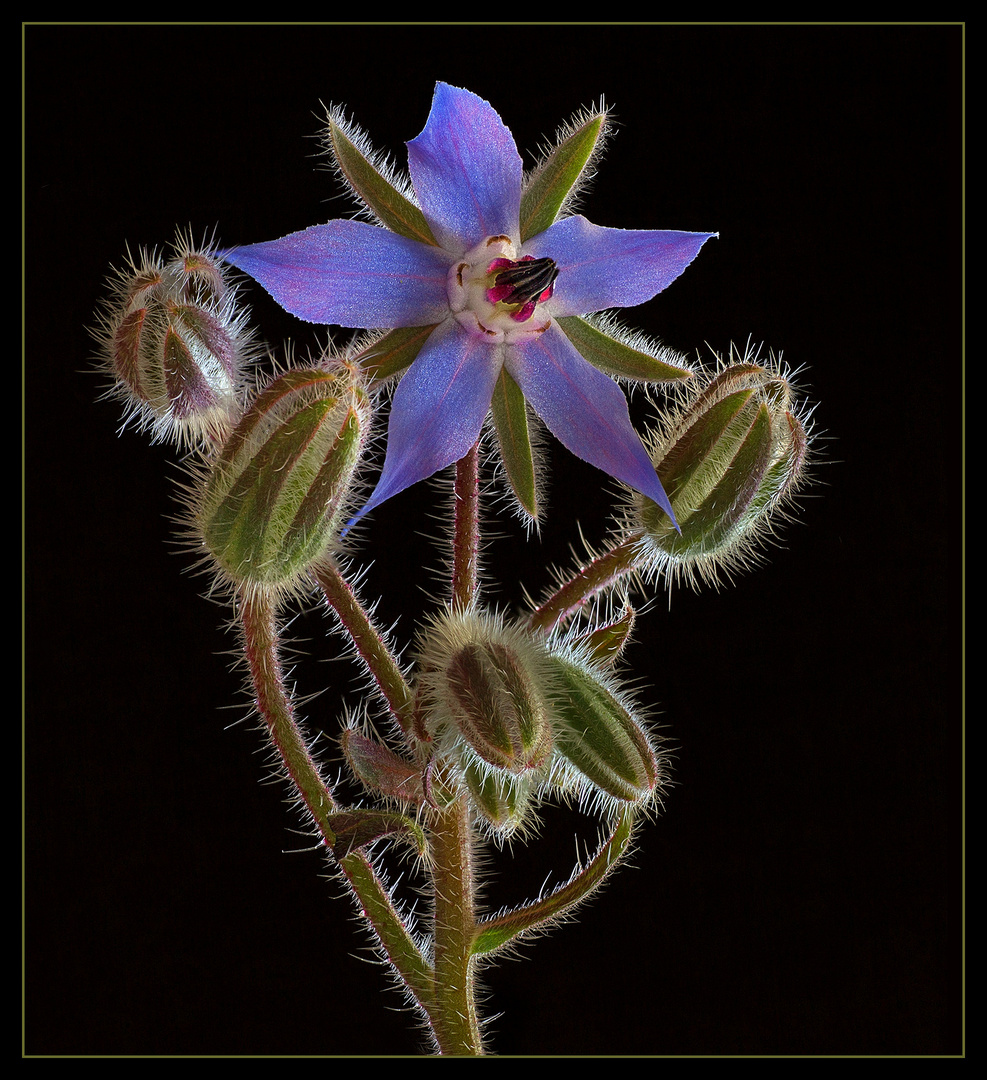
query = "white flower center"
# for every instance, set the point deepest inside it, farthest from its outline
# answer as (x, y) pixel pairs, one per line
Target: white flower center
(495, 294)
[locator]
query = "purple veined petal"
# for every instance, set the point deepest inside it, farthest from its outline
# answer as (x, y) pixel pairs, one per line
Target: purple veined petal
(349, 273)
(466, 171)
(602, 268)
(585, 410)
(438, 409)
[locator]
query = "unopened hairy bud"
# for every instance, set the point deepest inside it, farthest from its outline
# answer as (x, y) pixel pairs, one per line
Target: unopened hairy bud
(275, 497)
(730, 458)
(175, 341)
(483, 702)
(599, 738)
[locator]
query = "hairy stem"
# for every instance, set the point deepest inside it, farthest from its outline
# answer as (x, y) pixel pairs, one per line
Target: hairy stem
(258, 618)
(369, 643)
(454, 1020)
(466, 539)
(380, 912)
(603, 571)
(501, 930)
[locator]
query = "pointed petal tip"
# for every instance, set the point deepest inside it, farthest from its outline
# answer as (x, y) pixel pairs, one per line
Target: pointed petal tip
(466, 170)
(354, 520)
(657, 495)
(384, 490)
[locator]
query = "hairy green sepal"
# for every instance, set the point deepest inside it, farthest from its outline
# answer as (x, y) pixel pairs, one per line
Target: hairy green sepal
(392, 353)
(616, 358)
(549, 186)
(393, 209)
(510, 416)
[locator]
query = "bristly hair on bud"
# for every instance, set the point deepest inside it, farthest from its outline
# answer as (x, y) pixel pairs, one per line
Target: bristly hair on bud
(482, 702)
(176, 343)
(273, 499)
(732, 452)
(606, 757)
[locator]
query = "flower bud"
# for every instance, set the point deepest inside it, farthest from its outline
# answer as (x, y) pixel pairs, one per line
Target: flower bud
(500, 709)
(731, 456)
(484, 690)
(176, 345)
(502, 799)
(195, 276)
(597, 735)
(380, 769)
(483, 703)
(276, 495)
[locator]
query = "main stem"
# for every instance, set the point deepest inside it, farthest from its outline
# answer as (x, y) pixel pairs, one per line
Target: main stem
(454, 1018)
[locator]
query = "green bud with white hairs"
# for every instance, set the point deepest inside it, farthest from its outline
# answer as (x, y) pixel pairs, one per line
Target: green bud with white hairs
(484, 705)
(730, 457)
(598, 737)
(277, 495)
(483, 688)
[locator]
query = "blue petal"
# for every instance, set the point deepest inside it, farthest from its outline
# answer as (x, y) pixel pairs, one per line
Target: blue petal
(585, 410)
(438, 409)
(466, 171)
(349, 273)
(603, 268)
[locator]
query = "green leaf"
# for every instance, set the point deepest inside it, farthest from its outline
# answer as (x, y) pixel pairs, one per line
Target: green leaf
(500, 931)
(552, 181)
(616, 358)
(510, 417)
(394, 210)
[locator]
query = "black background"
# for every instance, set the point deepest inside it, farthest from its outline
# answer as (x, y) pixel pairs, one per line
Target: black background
(801, 893)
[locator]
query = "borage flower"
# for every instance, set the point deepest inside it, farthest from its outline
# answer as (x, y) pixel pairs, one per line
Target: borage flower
(482, 281)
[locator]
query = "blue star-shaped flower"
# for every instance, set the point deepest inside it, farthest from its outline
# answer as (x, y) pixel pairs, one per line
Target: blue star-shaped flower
(460, 265)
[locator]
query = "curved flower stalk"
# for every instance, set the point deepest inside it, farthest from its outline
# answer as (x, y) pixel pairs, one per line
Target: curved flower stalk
(481, 263)
(733, 454)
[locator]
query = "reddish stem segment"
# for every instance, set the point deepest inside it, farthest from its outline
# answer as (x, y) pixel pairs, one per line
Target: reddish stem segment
(586, 583)
(381, 663)
(258, 617)
(466, 542)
